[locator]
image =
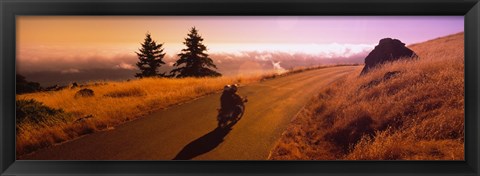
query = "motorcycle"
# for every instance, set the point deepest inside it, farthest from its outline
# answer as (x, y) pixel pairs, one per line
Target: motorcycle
(233, 116)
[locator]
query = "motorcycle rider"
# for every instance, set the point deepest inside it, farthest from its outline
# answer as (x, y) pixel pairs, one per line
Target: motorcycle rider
(229, 98)
(235, 97)
(226, 102)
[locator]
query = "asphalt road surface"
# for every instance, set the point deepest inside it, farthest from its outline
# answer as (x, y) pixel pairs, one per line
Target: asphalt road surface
(189, 130)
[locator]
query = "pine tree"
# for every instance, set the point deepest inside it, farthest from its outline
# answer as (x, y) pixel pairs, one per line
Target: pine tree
(193, 61)
(150, 58)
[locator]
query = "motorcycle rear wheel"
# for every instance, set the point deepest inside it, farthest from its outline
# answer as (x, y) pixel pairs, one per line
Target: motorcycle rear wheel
(239, 110)
(222, 120)
(222, 124)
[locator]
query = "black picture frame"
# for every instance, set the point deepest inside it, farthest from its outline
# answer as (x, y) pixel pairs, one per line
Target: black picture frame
(9, 9)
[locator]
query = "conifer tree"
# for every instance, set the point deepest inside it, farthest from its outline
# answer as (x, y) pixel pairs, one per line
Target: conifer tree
(193, 61)
(150, 58)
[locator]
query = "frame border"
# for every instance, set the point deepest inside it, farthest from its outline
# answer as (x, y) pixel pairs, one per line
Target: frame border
(9, 9)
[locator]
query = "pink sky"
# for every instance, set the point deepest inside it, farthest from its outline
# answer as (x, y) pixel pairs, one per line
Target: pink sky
(43, 39)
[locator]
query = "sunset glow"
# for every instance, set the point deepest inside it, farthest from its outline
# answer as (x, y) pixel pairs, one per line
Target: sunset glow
(312, 88)
(70, 44)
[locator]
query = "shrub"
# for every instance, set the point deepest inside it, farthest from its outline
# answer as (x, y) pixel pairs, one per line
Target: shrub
(24, 86)
(85, 93)
(35, 113)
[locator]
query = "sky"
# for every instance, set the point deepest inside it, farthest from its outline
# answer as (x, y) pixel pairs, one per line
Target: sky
(42, 40)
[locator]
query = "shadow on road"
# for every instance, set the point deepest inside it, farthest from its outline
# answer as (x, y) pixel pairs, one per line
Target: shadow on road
(204, 144)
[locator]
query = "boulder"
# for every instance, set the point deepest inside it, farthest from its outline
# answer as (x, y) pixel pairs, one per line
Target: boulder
(387, 50)
(84, 93)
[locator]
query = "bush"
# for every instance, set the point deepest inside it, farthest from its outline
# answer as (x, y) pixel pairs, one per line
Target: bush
(24, 86)
(85, 93)
(35, 113)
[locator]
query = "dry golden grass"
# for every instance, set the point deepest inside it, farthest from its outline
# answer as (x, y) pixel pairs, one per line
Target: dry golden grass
(415, 113)
(113, 104)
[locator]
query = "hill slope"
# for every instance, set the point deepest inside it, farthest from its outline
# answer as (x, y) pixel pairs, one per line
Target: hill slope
(405, 110)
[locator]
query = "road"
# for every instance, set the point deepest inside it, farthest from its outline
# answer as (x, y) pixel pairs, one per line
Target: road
(188, 131)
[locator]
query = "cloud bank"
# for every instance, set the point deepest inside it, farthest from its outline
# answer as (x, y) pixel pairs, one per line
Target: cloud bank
(53, 64)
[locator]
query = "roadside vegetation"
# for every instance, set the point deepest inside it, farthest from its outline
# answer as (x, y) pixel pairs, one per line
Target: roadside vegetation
(65, 116)
(113, 103)
(404, 110)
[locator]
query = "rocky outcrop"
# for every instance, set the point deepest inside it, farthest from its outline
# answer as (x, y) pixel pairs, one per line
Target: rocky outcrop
(387, 50)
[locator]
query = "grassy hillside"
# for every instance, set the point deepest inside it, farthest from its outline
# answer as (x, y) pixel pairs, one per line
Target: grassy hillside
(405, 110)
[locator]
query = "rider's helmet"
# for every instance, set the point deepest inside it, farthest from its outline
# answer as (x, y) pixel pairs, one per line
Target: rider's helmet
(227, 88)
(234, 88)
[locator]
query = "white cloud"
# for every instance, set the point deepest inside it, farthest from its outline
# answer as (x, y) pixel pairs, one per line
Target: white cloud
(278, 68)
(125, 66)
(263, 57)
(75, 60)
(330, 50)
(70, 70)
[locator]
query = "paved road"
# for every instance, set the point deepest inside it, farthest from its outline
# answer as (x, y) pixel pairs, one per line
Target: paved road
(188, 131)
